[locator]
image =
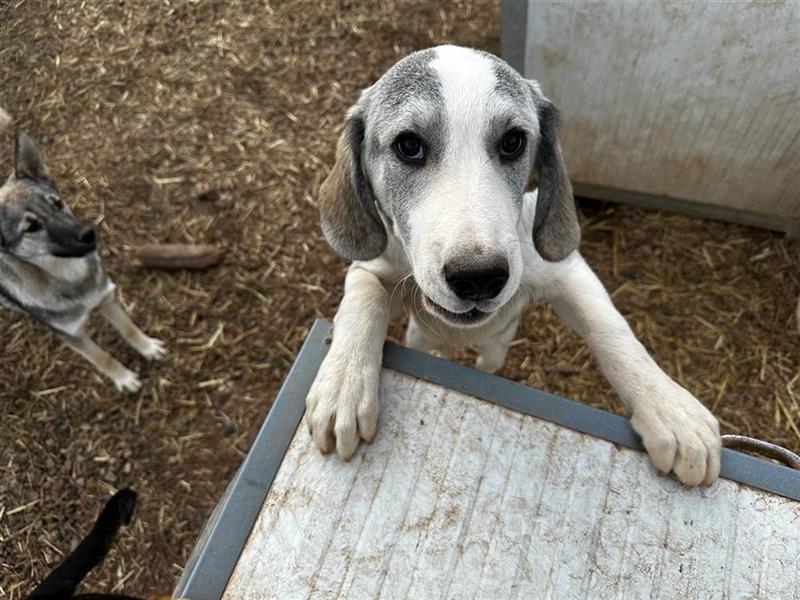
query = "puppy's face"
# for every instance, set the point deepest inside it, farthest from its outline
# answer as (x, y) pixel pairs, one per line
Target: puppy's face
(34, 220)
(445, 144)
(448, 145)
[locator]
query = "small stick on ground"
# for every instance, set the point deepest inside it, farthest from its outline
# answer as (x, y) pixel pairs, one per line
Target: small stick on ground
(178, 256)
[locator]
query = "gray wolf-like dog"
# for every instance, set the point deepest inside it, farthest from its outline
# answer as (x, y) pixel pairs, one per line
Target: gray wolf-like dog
(428, 198)
(50, 269)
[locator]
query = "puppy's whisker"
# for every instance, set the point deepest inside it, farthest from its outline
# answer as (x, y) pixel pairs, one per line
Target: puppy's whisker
(400, 284)
(432, 325)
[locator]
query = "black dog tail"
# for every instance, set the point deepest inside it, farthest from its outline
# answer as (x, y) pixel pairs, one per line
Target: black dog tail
(65, 578)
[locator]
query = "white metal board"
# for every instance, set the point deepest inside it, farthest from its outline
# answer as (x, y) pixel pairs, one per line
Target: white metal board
(688, 100)
(462, 498)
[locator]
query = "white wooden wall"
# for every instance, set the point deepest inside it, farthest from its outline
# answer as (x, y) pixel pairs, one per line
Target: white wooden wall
(691, 100)
(460, 498)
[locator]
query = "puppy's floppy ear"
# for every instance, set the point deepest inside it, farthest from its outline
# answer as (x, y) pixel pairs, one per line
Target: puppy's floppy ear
(348, 214)
(556, 232)
(28, 163)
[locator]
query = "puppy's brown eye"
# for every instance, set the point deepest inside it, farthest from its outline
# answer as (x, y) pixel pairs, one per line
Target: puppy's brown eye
(409, 148)
(512, 144)
(33, 226)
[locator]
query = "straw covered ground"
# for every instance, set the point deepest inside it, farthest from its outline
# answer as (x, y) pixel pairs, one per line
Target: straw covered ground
(215, 122)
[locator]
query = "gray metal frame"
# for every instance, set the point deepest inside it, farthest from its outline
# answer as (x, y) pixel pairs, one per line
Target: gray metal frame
(225, 534)
(513, 29)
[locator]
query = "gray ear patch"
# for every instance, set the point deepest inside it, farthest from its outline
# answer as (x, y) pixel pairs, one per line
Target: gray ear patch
(28, 162)
(556, 232)
(349, 218)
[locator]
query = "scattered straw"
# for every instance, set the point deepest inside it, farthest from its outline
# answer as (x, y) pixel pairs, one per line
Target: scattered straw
(214, 122)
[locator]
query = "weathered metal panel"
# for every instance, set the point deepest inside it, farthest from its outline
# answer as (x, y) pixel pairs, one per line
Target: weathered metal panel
(691, 100)
(462, 498)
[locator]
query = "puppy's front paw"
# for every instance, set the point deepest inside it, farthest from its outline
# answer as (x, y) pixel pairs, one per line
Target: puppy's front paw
(680, 434)
(342, 405)
(152, 349)
(127, 381)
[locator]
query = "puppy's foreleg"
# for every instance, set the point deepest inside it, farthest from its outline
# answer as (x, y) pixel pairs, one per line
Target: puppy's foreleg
(679, 433)
(417, 339)
(342, 405)
(124, 379)
(150, 348)
(492, 355)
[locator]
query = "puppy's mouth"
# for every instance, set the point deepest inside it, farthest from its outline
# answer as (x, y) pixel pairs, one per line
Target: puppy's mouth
(470, 318)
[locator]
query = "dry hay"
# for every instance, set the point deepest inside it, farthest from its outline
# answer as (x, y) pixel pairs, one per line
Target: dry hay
(214, 122)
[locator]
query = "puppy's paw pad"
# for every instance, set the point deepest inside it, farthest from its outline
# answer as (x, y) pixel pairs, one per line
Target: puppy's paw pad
(153, 349)
(128, 382)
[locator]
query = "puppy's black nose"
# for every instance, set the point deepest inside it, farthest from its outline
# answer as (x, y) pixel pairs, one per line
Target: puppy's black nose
(475, 282)
(87, 236)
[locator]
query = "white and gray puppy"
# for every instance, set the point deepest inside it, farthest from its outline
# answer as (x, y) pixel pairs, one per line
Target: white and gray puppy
(50, 269)
(428, 197)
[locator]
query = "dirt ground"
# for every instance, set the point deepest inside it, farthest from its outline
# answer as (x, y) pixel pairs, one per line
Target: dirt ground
(215, 122)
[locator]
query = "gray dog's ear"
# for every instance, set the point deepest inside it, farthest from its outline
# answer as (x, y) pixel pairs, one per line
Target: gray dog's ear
(556, 232)
(28, 163)
(348, 214)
